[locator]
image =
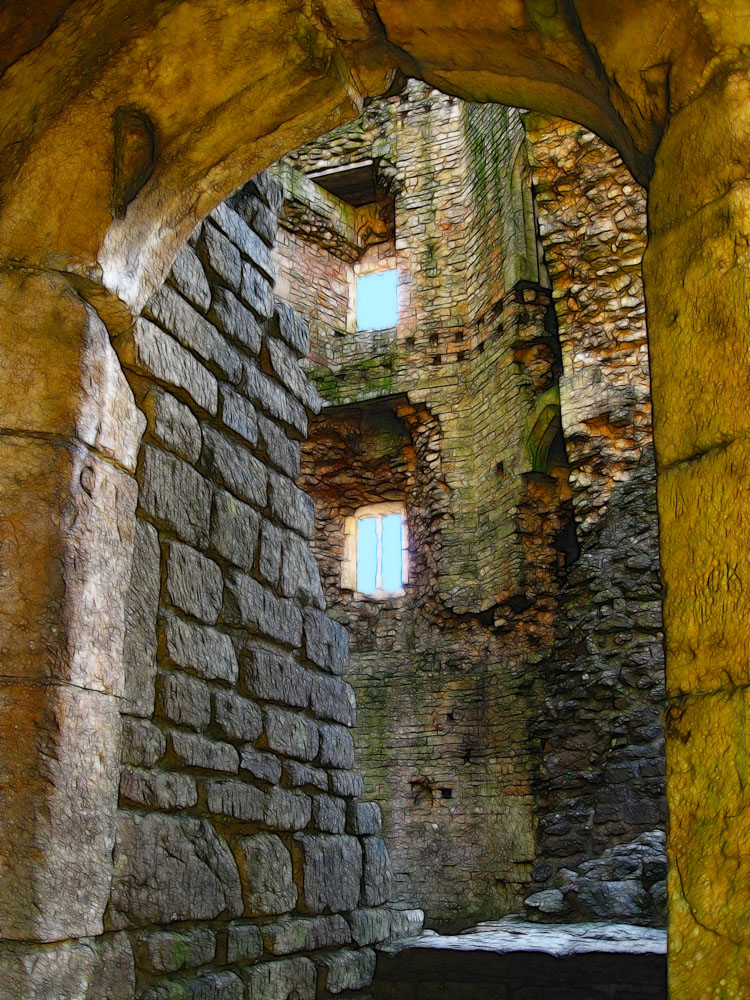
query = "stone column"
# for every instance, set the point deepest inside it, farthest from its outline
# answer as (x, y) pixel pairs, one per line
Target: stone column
(697, 273)
(70, 432)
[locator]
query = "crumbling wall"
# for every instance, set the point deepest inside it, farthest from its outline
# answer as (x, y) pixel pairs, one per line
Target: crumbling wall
(438, 412)
(601, 727)
(510, 700)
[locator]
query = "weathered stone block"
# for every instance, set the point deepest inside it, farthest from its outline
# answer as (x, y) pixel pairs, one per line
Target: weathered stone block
(141, 610)
(329, 814)
(194, 750)
(68, 532)
(331, 872)
(91, 968)
(269, 188)
(175, 495)
(298, 774)
(169, 868)
(257, 215)
(281, 450)
(287, 810)
(236, 320)
(267, 878)
(370, 925)
(405, 923)
(364, 818)
(247, 602)
(61, 749)
(333, 698)
(243, 943)
(290, 505)
(143, 743)
(193, 583)
(262, 765)
(236, 717)
(234, 529)
(204, 986)
(300, 577)
(151, 351)
(200, 648)
(271, 676)
(269, 560)
(290, 733)
(159, 951)
(255, 291)
(346, 783)
(236, 799)
(157, 789)
(273, 399)
(288, 979)
(232, 465)
(291, 934)
(336, 746)
(173, 313)
(239, 415)
(183, 699)
(326, 641)
(189, 278)
(172, 423)
(248, 242)
(221, 256)
(292, 328)
(286, 367)
(348, 969)
(377, 878)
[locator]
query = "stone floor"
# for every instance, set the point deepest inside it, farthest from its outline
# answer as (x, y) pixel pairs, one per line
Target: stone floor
(511, 959)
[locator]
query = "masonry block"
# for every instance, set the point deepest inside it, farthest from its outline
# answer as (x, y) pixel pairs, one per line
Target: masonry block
(331, 868)
(267, 878)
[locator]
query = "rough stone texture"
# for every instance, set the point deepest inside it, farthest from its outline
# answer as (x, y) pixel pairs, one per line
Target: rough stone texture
(606, 782)
(509, 410)
(627, 883)
(141, 612)
(168, 868)
(331, 872)
(194, 583)
(289, 979)
(230, 729)
(106, 217)
(91, 968)
(266, 866)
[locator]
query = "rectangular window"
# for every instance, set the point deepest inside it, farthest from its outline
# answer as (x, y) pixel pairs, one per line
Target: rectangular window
(375, 547)
(376, 301)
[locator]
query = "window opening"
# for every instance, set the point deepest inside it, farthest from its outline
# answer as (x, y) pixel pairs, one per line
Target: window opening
(375, 550)
(376, 300)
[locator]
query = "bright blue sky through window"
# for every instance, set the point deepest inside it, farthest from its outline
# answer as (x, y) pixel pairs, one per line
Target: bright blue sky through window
(367, 554)
(391, 569)
(377, 300)
(379, 556)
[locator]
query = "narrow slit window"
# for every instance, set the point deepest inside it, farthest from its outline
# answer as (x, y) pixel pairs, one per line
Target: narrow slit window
(376, 300)
(375, 550)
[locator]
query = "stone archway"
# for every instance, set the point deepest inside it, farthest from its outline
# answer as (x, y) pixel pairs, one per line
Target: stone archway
(125, 123)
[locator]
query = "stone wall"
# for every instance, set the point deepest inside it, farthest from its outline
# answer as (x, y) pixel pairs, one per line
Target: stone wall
(602, 777)
(246, 866)
(510, 701)
(439, 413)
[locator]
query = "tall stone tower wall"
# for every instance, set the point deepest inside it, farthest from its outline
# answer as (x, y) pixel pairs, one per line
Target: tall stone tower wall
(510, 700)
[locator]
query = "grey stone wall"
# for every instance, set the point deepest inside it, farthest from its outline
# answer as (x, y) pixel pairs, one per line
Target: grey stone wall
(245, 864)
